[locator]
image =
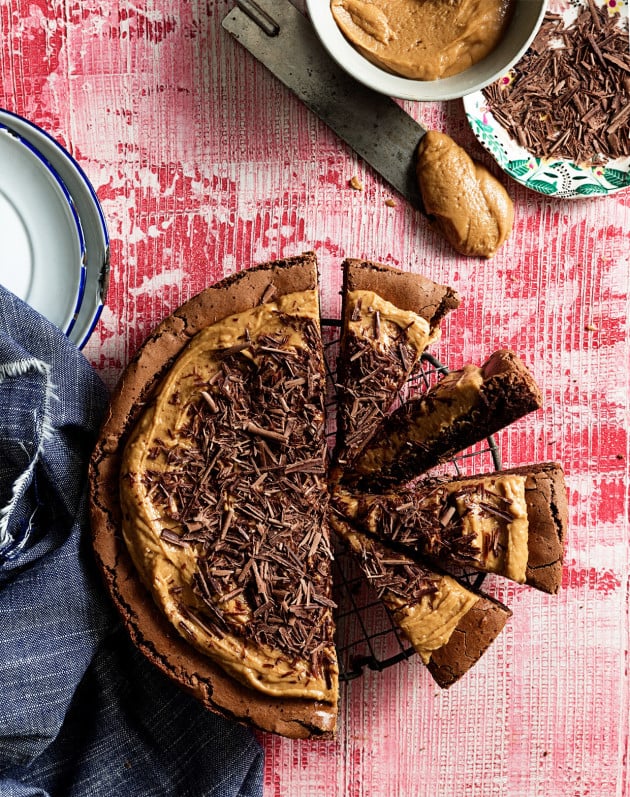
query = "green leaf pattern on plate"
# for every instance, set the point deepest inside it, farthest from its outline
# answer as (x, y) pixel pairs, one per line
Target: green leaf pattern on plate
(558, 177)
(519, 168)
(617, 178)
(542, 187)
(590, 189)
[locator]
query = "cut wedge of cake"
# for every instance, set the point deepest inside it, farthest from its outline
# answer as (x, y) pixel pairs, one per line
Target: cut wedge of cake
(389, 317)
(463, 408)
(512, 522)
(406, 290)
(216, 440)
(449, 626)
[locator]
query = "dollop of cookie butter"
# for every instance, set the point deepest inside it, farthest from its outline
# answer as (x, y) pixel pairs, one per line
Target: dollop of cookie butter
(423, 39)
(468, 204)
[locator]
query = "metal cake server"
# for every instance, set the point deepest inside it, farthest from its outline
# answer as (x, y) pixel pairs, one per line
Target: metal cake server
(374, 126)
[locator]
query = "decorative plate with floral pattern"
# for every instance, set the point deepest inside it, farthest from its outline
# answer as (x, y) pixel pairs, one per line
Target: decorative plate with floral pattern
(551, 176)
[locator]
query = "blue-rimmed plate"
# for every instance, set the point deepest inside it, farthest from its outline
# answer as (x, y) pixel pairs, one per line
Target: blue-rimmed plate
(90, 215)
(42, 259)
(559, 177)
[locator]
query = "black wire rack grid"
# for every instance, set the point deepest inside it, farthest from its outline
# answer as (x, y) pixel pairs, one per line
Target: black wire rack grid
(366, 635)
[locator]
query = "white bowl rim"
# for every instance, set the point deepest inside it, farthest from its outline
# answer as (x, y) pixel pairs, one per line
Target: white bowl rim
(373, 77)
(90, 214)
(70, 239)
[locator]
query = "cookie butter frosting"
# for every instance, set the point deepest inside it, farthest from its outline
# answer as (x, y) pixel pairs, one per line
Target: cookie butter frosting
(364, 307)
(422, 39)
(481, 523)
(429, 624)
(426, 605)
(469, 205)
(223, 499)
(381, 344)
(494, 518)
(451, 397)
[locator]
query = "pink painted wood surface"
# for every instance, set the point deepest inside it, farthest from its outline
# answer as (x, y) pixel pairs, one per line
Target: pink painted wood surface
(205, 165)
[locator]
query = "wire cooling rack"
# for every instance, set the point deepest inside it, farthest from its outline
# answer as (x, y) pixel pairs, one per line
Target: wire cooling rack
(366, 635)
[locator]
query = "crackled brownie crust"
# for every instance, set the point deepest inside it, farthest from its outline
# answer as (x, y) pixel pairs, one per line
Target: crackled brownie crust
(547, 512)
(475, 633)
(147, 626)
(463, 408)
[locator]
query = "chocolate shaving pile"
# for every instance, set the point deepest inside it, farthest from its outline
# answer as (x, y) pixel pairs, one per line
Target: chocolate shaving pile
(432, 526)
(570, 101)
(250, 497)
(394, 574)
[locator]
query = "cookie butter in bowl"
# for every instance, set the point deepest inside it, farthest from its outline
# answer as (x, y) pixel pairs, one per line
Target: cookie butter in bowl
(426, 49)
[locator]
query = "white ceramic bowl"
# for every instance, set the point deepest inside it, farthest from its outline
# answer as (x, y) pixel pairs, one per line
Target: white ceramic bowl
(526, 19)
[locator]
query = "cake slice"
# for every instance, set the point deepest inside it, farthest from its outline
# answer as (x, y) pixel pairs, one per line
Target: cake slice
(461, 409)
(209, 499)
(449, 626)
(512, 522)
(406, 290)
(389, 317)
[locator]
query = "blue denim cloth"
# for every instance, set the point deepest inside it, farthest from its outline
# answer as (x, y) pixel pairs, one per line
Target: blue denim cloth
(81, 711)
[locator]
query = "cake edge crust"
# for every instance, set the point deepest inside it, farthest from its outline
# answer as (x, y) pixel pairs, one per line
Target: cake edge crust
(408, 290)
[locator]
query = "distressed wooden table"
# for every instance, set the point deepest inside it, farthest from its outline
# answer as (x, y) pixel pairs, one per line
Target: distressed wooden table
(205, 165)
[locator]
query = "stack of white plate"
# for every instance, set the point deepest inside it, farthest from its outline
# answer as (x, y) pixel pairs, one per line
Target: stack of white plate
(55, 246)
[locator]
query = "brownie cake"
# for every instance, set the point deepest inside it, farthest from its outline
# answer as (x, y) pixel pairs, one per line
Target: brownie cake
(464, 407)
(224, 580)
(512, 522)
(389, 317)
(210, 489)
(449, 626)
